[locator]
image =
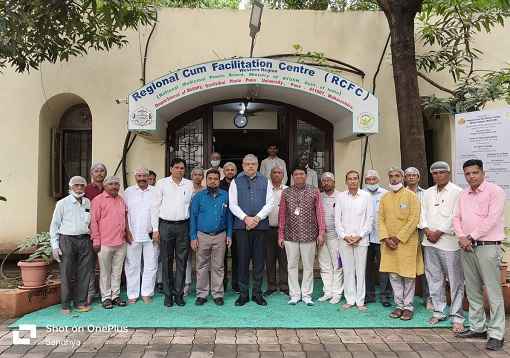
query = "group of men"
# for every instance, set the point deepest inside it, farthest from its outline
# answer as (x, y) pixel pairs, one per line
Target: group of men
(361, 236)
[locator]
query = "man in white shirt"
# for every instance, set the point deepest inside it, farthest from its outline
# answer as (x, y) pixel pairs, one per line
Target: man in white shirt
(170, 221)
(441, 246)
(331, 271)
(71, 245)
(251, 200)
(376, 192)
(311, 175)
(353, 223)
(138, 200)
(274, 253)
(273, 161)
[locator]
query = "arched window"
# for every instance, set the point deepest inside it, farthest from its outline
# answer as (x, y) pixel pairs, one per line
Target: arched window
(72, 147)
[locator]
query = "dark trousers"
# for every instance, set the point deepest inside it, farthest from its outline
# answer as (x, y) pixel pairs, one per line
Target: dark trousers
(275, 254)
(174, 243)
(75, 269)
(233, 258)
(372, 271)
(250, 247)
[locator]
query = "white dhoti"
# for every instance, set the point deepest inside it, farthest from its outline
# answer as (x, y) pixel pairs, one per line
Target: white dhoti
(150, 253)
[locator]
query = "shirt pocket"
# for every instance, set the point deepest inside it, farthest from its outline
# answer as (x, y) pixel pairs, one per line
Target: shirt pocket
(482, 208)
(446, 209)
(403, 211)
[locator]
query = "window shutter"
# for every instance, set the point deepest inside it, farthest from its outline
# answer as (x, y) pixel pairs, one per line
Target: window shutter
(57, 188)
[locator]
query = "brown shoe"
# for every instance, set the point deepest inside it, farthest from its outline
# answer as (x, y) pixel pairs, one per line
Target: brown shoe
(406, 315)
(397, 313)
(84, 308)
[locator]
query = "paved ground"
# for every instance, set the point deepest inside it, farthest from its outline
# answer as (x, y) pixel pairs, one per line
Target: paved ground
(246, 343)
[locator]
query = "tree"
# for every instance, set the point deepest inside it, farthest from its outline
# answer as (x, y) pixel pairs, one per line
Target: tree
(400, 15)
(202, 4)
(34, 31)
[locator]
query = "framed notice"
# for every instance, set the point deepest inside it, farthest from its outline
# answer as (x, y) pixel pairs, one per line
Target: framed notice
(484, 135)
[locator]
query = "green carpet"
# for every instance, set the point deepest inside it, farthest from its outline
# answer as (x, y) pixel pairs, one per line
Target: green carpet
(277, 314)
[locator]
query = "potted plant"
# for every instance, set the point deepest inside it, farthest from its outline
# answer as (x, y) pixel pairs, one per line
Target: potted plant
(34, 270)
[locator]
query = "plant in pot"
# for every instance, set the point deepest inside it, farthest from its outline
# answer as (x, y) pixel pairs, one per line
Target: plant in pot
(34, 269)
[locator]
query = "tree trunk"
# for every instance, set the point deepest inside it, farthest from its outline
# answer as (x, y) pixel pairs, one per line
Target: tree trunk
(400, 15)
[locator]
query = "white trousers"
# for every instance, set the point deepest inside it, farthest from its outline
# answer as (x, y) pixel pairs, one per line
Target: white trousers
(332, 276)
(305, 251)
(150, 253)
(354, 262)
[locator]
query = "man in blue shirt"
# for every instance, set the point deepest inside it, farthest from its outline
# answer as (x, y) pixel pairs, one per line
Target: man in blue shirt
(210, 235)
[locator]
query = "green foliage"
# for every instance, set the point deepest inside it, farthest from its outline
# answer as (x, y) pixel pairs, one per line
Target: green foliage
(334, 5)
(202, 4)
(40, 244)
(448, 29)
(34, 31)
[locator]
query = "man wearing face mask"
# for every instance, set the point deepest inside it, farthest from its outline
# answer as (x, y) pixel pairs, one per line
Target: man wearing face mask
(138, 200)
(374, 249)
(401, 257)
(98, 173)
(215, 164)
(110, 233)
(71, 245)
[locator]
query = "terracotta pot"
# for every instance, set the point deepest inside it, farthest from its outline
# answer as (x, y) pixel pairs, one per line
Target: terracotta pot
(33, 273)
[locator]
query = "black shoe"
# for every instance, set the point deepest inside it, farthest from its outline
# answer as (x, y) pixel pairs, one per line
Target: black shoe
(219, 301)
(159, 287)
(494, 344)
(236, 289)
(118, 302)
(269, 292)
(169, 301)
(200, 301)
(259, 300)
(179, 301)
(242, 300)
(386, 303)
(470, 334)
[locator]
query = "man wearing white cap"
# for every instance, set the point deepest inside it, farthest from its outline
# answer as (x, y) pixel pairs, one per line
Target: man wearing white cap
(412, 181)
(71, 245)
(441, 246)
(353, 223)
(110, 233)
(374, 249)
(331, 271)
(138, 200)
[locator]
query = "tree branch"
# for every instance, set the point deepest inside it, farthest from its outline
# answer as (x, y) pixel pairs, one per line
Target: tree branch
(435, 84)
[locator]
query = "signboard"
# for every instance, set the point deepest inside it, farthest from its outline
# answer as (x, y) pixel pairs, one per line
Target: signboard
(484, 135)
(171, 88)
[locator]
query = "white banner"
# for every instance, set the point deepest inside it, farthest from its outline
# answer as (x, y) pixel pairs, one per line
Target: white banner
(484, 135)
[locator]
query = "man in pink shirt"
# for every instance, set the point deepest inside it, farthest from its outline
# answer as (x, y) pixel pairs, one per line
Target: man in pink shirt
(110, 232)
(478, 222)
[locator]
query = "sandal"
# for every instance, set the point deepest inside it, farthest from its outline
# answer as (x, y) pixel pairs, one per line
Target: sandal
(458, 328)
(407, 315)
(118, 302)
(397, 313)
(435, 320)
(107, 304)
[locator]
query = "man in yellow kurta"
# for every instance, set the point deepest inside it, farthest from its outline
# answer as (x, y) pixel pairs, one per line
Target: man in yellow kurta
(399, 214)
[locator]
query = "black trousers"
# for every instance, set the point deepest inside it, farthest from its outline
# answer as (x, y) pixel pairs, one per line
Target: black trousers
(174, 243)
(233, 257)
(372, 271)
(250, 247)
(275, 254)
(75, 269)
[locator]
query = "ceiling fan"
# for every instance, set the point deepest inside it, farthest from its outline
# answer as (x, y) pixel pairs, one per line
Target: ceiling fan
(241, 117)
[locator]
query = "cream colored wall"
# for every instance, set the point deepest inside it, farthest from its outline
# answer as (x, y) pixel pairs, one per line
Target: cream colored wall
(183, 37)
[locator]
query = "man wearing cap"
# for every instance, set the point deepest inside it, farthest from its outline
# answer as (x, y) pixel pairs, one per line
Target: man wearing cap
(401, 257)
(376, 192)
(138, 200)
(274, 253)
(71, 245)
(98, 173)
(353, 223)
(479, 225)
(412, 180)
(110, 233)
(441, 247)
(230, 172)
(170, 225)
(210, 234)
(331, 271)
